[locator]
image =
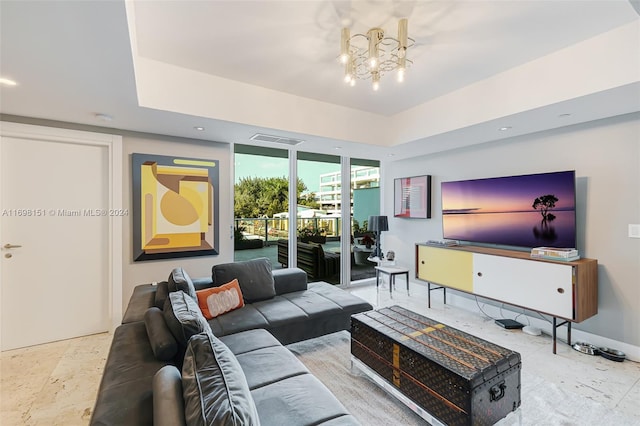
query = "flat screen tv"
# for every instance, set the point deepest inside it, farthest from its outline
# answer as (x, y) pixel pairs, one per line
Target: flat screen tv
(520, 211)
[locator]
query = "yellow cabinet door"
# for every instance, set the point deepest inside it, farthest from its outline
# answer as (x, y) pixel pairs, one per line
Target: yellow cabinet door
(451, 268)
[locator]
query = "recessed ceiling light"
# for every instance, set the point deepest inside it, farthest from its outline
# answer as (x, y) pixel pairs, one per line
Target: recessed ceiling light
(564, 115)
(7, 82)
(392, 155)
(337, 148)
(199, 128)
(502, 129)
(104, 117)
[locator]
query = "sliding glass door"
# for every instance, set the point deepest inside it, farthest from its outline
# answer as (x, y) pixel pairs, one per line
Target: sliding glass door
(261, 205)
(262, 211)
(318, 216)
(365, 202)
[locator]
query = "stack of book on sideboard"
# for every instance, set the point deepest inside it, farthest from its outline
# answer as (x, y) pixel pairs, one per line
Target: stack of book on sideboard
(555, 253)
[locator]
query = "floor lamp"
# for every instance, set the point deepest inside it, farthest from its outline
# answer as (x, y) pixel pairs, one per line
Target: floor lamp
(378, 224)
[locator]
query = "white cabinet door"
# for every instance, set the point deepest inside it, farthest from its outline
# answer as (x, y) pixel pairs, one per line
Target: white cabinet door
(539, 286)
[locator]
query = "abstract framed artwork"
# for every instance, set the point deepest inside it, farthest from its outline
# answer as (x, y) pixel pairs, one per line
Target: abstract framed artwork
(412, 197)
(175, 207)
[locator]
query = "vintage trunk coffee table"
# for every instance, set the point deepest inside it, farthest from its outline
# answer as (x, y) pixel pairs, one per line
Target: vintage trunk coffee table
(441, 373)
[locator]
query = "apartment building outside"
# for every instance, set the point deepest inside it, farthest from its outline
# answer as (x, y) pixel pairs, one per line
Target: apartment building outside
(362, 177)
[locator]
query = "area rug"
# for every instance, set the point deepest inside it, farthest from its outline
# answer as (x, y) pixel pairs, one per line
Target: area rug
(543, 403)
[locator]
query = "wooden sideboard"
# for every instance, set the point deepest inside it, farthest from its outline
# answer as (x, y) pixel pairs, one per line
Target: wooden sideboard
(565, 290)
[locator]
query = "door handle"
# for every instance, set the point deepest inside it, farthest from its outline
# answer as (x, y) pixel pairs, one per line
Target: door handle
(10, 246)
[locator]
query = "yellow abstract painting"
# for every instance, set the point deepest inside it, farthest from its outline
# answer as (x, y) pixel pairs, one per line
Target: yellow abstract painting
(174, 206)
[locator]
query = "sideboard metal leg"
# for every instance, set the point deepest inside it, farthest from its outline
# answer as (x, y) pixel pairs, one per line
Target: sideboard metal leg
(554, 334)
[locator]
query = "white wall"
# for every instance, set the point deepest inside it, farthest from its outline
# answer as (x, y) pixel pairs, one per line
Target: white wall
(606, 157)
(135, 273)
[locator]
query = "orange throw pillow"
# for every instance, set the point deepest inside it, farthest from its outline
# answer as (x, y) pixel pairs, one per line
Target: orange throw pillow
(216, 301)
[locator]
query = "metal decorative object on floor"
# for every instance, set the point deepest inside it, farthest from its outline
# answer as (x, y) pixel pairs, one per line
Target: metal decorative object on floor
(457, 378)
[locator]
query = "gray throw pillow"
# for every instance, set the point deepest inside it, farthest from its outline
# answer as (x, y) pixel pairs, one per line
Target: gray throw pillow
(180, 280)
(254, 276)
(214, 387)
(162, 342)
(184, 317)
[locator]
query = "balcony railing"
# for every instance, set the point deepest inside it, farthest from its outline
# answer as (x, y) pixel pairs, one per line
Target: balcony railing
(271, 230)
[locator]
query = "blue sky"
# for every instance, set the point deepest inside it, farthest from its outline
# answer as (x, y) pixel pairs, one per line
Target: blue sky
(258, 166)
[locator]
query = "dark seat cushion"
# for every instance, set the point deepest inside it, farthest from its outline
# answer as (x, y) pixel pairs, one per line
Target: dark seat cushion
(300, 400)
(129, 371)
(254, 276)
(251, 340)
(269, 365)
(245, 318)
(214, 386)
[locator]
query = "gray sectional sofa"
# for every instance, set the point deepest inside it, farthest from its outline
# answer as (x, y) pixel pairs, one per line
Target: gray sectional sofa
(156, 354)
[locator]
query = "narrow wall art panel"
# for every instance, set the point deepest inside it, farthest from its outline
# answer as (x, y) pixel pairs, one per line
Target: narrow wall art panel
(413, 197)
(175, 207)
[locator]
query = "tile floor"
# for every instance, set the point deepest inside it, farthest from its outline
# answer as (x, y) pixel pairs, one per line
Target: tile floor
(613, 384)
(56, 383)
(52, 384)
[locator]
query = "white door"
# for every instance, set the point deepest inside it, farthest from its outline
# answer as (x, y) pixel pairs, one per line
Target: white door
(54, 240)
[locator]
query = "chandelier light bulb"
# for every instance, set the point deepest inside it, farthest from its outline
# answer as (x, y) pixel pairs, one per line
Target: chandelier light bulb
(345, 36)
(352, 82)
(402, 68)
(375, 77)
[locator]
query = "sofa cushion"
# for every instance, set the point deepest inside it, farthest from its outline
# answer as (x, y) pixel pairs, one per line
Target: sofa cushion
(216, 301)
(269, 365)
(183, 317)
(254, 276)
(299, 400)
(248, 341)
(245, 318)
(162, 291)
(214, 387)
(129, 371)
(162, 342)
(180, 280)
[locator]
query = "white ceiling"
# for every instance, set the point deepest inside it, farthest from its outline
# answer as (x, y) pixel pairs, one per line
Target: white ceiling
(74, 59)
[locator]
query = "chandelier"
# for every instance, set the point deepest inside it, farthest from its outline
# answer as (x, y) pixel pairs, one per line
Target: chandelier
(371, 55)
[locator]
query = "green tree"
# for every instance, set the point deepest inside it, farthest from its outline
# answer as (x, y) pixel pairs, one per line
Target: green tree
(259, 197)
(309, 200)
